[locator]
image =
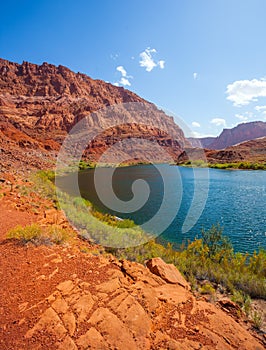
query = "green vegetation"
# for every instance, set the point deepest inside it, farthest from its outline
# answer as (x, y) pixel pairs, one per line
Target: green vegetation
(95, 226)
(86, 165)
(102, 228)
(195, 164)
(238, 165)
(257, 319)
(92, 165)
(43, 184)
(37, 235)
(112, 220)
(207, 288)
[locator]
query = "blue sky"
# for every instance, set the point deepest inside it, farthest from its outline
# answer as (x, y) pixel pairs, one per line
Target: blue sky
(203, 60)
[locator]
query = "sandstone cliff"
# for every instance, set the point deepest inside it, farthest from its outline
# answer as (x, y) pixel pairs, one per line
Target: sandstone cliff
(42, 103)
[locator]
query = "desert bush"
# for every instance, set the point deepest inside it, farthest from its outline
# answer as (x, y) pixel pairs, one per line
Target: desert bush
(59, 235)
(38, 235)
(257, 319)
(28, 234)
(219, 246)
(207, 288)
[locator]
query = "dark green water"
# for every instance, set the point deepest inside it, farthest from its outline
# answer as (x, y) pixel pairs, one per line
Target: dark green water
(236, 200)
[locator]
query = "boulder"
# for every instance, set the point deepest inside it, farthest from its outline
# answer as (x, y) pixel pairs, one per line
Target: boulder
(168, 272)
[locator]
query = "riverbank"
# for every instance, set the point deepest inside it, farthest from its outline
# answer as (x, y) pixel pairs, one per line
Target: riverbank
(224, 166)
(200, 258)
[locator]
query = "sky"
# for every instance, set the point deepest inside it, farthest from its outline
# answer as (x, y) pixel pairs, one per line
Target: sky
(204, 61)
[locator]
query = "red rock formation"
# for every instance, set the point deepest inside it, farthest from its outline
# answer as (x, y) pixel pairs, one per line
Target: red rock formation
(43, 102)
(250, 151)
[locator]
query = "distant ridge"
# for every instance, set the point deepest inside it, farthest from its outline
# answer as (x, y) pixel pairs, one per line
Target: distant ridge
(229, 137)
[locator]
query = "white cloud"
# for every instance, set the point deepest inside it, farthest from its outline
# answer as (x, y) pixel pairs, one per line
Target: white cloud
(218, 121)
(260, 108)
(124, 80)
(242, 92)
(122, 70)
(195, 76)
(197, 134)
(147, 61)
(161, 64)
(244, 118)
(195, 124)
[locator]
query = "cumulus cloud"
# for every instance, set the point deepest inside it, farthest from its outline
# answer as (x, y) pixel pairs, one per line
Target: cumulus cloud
(260, 108)
(124, 80)
(148, 62)
(195, 76)
(218, 121)
(122, 70)
(244, 118)
(242, 92)
(195, 124)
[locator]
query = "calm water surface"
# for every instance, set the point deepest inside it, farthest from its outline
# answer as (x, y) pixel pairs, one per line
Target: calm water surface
(236, 200)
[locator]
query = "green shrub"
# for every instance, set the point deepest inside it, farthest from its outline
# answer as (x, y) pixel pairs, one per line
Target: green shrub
(28, 234)
(257, 319)
(58, 235)
(219, 246)
(37, 235)
(207, 288)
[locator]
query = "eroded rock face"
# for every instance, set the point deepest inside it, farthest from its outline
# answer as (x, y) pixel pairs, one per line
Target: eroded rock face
(43, 102)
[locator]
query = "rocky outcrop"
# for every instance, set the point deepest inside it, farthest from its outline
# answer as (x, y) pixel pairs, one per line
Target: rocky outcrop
(64, 299)
(168, 272)
(252, 151)
(43, 102)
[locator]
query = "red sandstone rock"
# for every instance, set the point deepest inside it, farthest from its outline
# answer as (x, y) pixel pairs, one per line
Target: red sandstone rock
(167, 272)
